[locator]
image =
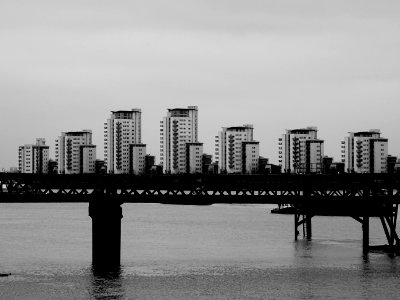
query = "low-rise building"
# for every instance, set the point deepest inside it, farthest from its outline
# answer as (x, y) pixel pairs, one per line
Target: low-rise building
(100, 166)
(149, 162)
(52, 167)
(391, 163)
(397, 167)
(206, 163)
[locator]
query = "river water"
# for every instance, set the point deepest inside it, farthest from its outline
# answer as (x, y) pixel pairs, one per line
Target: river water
(191, 252)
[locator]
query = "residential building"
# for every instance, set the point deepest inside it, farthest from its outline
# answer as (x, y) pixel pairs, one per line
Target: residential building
(177, 129)
(236, 151)
(331, 167)
(327, 163)
(272, 169)
(52, 167)
(206, 163)
(137, 159)
(194, 158)
(121, 130)
(149, 162)
(263, 162)
(391, 163)
(250, 157)
(300, 151)
(34, 158)
(75, 153)
(12, 170)
(397, 166)
(365, 152)
(100, 167)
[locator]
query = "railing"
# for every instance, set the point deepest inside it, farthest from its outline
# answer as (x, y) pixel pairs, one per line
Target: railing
(344, 189)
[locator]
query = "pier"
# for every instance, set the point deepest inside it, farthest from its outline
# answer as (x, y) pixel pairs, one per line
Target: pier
(359, 196)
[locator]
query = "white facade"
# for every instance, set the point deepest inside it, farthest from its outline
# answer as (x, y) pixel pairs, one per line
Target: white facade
(194, 156)
(122, 129)
(88, 159)
(34, 158)
(365, 152)
(137, 159)
(300, 151)
(75, 153)
(314, 156)
(178, 128)
(251, 157)
(230, 152)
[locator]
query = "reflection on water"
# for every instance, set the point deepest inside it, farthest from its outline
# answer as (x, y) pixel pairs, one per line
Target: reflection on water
(106, 283)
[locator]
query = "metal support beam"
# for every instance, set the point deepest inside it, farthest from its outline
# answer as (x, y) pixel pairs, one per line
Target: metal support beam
(365, 228)
(389, 226)
(305, 220)
(308, 227)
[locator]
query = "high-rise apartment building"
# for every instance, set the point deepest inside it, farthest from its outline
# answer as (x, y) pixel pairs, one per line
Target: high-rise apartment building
(177, 129)
(121, 130)
(34, 158)
(300, 151)
(75, 153)
(365, 152)
(236, 151)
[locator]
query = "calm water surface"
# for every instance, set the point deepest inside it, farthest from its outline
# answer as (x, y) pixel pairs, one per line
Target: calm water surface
(190, 252)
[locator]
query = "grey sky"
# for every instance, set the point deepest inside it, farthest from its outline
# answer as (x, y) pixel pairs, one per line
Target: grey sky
(275, 64)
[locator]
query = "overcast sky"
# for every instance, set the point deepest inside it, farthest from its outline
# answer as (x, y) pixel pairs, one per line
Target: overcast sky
(64, 65)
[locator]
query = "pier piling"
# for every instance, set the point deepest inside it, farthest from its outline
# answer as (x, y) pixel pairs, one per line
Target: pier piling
(106, 232)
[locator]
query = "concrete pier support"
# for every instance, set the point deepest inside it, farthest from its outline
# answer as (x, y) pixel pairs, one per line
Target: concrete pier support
(365, 229)
(106, 232)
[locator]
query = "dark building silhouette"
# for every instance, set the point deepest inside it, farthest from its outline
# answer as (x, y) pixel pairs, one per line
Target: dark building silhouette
(206, 163)
(391, 163)
(263, 162)
(149, 162)
(337, 168)
(397, 166)
(326, 164)
(100, 166)
(52, 167)
(331, 167)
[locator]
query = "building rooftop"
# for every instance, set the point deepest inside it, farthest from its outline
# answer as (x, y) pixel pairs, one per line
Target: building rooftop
(302, 130)
(85, 131)
(369, 133)
(126, 111)
(240, 128)
(251, 142)
(188, 108)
